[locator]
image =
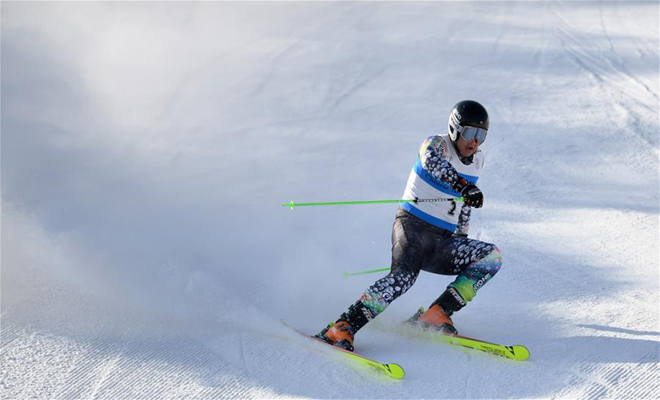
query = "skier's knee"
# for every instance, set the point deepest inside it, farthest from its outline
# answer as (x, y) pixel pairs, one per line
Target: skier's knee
(493, 261)
(478, 274)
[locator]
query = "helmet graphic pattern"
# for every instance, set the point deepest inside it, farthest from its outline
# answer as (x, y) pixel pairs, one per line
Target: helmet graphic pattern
(467, 113)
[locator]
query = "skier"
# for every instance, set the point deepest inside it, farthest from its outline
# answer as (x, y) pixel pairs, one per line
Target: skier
(432, 236)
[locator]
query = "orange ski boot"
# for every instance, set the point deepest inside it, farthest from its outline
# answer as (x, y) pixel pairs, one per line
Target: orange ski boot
(338, 334)
(436, 318)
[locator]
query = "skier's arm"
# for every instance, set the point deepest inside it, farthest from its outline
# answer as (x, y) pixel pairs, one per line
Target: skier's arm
(463, 225)
(434, 158)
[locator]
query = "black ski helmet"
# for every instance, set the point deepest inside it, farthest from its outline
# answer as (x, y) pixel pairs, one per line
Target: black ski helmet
(467, 113)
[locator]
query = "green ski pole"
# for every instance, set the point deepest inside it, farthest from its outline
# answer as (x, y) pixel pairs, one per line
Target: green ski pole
(347, 274)
(343, 203)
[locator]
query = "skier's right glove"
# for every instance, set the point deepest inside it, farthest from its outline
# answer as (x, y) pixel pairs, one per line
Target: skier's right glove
(471, 194)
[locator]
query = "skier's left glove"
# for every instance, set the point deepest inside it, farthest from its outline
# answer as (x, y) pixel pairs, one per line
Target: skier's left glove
(471, 194)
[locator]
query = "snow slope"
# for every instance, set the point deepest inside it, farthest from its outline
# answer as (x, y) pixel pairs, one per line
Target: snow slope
(147, 149)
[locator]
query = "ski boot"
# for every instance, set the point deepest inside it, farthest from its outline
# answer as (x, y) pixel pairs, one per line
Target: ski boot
(435, 318)
(413, 321)
(338, 334)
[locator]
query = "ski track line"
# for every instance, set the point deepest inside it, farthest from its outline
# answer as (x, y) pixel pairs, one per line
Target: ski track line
(600, 379)
(121, 370)
(619, 66)
(155, 364)
(618, 382)
(82, 374)
(105, 374)
(272, 64)
(574, 49)
(359, 82)
(597, 379)
(85, 377)
(136, 368)
(246, 365)
(268, 355)
(179, 368)
(8, 335)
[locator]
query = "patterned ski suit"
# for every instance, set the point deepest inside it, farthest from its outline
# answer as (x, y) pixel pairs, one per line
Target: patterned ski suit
(432, 236)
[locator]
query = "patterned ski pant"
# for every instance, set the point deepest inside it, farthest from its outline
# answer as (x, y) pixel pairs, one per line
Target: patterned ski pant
(418, 246)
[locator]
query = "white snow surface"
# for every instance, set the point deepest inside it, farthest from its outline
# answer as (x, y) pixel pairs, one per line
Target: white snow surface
(147, 149)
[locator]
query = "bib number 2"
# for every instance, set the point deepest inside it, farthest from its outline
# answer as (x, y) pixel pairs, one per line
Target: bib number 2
(452, 210)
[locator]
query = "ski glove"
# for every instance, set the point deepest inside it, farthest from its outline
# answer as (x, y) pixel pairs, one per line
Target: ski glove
(472, 196)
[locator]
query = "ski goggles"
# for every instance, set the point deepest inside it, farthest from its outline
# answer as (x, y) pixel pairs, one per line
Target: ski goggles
(469, 133)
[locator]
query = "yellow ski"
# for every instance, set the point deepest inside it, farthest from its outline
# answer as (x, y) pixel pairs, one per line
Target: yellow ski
(392, 370)
(514, 352)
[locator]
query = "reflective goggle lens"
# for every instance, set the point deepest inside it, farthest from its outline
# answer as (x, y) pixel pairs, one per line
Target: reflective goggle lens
(469, 133)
